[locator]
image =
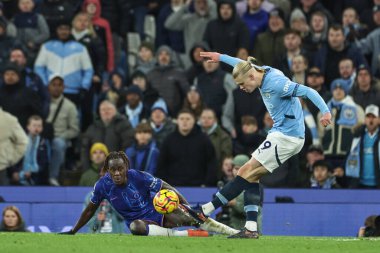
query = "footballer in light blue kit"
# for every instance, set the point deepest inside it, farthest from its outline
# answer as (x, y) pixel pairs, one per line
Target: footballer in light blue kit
(285, 139)
(131, 192)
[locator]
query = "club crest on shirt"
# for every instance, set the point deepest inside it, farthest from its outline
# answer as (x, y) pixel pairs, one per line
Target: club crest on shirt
(266, 94)
(348, 113)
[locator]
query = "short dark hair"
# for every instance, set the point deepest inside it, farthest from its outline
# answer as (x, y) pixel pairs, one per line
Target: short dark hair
(113, 156)
(292, 31)
(143, 128)
(185, 110)
(34, 117)
(248, 120)
(321, 163)
(336, 27)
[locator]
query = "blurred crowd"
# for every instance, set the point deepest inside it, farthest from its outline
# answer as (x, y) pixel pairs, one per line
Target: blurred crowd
(79, 79)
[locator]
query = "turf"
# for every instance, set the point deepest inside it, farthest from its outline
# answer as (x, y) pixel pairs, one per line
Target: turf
(53, 243)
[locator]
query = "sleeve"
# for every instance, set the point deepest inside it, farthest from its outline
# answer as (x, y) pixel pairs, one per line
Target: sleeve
(19, 141)
(72, 130)
(232, 61)
(177, 20)
(40, 65)
(43, 31)
(154, 184)
(97, 194)
(366, 44)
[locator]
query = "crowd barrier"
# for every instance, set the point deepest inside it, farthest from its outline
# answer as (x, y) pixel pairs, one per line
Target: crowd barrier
(302, 212)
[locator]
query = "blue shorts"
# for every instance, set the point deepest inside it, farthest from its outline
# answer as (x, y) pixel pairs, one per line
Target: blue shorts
(152, 216)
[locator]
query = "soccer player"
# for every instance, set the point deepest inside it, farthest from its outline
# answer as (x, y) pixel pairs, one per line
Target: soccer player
(285, 139)
(130, 193)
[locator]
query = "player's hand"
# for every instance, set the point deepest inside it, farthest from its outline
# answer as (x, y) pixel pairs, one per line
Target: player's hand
(210, 56)
(70, 232)
(325, 119)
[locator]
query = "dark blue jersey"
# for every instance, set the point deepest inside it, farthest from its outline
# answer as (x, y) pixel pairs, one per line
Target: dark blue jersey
(134, 200)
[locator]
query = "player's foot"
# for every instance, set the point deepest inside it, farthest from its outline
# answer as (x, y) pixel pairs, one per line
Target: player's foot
(245, 234)
(198, 233)
(198, 215)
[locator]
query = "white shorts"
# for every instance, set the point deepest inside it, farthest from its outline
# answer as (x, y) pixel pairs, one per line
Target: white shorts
(276, 149)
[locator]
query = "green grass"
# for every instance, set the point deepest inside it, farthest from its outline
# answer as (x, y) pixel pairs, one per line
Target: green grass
(82, 243)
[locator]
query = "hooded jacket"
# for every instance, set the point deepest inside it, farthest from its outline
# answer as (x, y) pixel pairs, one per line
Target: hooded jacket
(99, 21)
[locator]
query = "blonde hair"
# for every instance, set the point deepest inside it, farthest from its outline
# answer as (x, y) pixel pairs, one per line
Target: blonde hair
(243, 67)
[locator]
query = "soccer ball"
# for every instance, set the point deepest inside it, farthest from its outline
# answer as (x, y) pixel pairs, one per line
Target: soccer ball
(165, 201)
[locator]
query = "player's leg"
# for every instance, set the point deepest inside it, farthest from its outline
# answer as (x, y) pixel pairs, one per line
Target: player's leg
(148, 228)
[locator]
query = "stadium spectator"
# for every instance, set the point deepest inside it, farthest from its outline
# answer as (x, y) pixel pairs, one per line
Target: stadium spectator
(220, 139)
(292, 42)
(196, 67)
(35, 166)
(145, 60)
(13, 142)
(371, 227)
(12, 220)
(193, 24)
(17, 99)
(10, 27)
(346, 116)
(371, 15)
(69, 59)
(98, 154)
(6, 43)
(299, 23)
(299, 68)
(267, 124)
(351, 25)
(328, 57)
(32, 29)
(143, 153)
(174, 39)
(215, 87)
(63, 118)
(94, 45)
(228, 33)
(168, 80)
(322, 178)
(160, 122)
(55, 11)
(134, 109)
(316, 81)
(31, 80)
(310, 126)
(317, 35)
(308, 7)
(102, 28)
(362, 165)
(227, 170)
(256, 19)
(149, 94)
(194, 102)
(112, 90)
(112, 129)
(270, 43)
(364, 91)
(187, 156)
(314, 153)
(371, 44)
(347, 71)
(106, 219)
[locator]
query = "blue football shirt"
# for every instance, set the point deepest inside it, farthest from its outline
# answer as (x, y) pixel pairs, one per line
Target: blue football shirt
(134, 200)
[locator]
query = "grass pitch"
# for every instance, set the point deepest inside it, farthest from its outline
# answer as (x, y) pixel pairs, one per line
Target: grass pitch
(82, 243)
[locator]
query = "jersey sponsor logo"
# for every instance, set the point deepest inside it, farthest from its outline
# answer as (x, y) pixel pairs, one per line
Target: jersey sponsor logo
(286, 87)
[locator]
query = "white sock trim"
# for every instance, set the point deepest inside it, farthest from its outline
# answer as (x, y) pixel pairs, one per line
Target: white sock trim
(155, 230)
(251, 225)
(208, 208)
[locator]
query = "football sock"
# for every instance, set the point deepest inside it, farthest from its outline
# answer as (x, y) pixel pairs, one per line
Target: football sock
(252, 199)
(154, 230)
(229, 192)
(217, 227)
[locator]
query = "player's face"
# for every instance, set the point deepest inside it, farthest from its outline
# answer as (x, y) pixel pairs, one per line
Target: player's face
(35, 127)
(371, 122)
(247, 82)
(118, 171)
(10, 219)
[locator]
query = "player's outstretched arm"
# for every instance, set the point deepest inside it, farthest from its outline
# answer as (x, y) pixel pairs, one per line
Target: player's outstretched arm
(304, 91)
(182, 199)
(217, 57)
(86, 215)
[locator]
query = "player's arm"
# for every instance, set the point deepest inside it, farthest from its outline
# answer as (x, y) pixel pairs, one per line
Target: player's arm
(86, 215)
(313, 95)
(217, 57)
(182, 199)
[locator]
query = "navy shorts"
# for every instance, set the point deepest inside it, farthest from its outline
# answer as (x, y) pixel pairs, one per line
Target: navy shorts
(152, 216)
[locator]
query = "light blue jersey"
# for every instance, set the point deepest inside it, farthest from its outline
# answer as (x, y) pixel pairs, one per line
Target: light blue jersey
(280, 98)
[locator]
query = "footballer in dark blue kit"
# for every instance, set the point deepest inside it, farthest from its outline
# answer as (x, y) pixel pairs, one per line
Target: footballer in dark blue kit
(131, 193)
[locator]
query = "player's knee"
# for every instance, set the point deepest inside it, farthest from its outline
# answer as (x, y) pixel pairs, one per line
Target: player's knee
(138, 227)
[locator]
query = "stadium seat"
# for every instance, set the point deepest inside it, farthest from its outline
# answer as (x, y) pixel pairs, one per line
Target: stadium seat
(150, 28)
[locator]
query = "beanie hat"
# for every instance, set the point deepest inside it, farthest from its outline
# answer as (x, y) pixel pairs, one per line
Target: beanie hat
(99, 146)
(296, 15)
(160, 105)
(13, 67)
(134, 89)
(240, 160)
(340, 83)
(277, 12)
